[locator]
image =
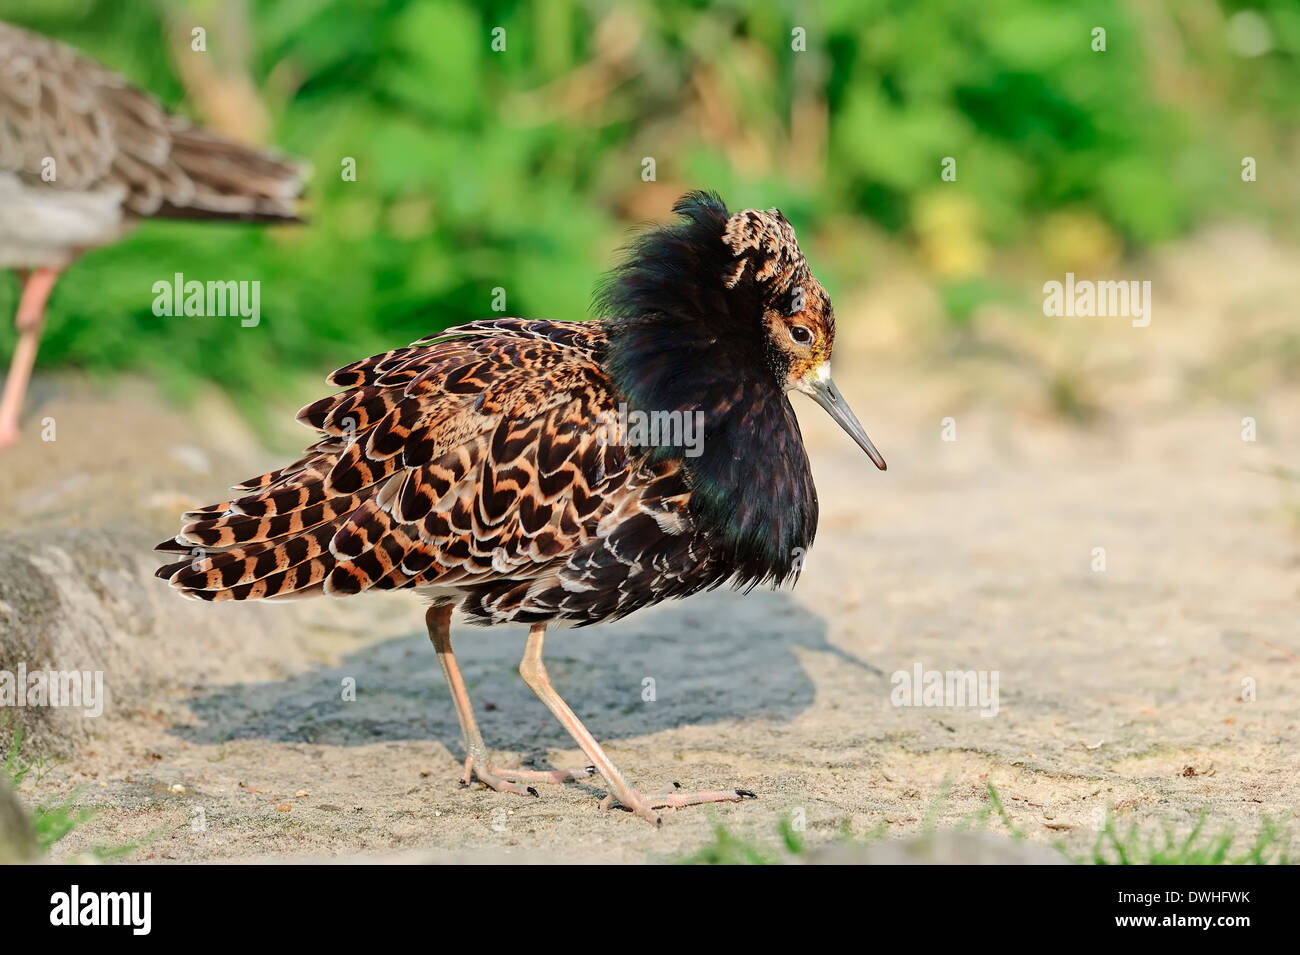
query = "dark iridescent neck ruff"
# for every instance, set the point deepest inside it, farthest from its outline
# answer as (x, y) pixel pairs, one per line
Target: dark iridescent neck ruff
(683, 341)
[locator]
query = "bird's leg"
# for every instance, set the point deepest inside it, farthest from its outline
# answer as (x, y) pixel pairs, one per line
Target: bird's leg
(534, 673)
(438, 621)
(29, 321)
(678, 800)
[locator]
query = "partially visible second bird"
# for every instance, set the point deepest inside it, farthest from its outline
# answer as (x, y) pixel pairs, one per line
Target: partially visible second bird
(492, 469)
(83, 156)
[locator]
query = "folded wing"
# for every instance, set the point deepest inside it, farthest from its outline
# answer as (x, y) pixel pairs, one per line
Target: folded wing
(483, 464)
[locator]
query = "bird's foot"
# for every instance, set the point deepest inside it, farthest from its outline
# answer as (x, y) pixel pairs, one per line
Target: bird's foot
(509, 780)
(644, 806)
(543, 775)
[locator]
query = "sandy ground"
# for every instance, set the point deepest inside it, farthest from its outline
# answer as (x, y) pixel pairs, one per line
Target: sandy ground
(227, 737)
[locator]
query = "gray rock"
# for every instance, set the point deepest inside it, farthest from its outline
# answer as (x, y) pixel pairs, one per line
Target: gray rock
(17, 839)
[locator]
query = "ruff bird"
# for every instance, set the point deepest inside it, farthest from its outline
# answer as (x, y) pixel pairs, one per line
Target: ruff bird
(83, 156)
(496, 467)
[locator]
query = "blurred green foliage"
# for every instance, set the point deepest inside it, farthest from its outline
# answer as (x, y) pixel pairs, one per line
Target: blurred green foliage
(522, 169)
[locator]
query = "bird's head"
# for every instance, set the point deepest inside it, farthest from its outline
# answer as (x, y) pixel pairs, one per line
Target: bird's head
(730, 292)
(797, 318)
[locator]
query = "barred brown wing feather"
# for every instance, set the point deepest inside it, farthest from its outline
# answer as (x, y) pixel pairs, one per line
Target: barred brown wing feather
(634, 555)
(483, 463)
(424, 472)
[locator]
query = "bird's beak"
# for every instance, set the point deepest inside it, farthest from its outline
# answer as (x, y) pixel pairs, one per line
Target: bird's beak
(823, 391)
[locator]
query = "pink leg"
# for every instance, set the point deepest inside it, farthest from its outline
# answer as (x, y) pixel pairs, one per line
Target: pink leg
(534, 673)
(679, 800)
(438, 621)
(29, 321)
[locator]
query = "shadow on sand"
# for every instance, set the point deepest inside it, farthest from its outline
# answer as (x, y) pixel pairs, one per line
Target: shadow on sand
(718, 656)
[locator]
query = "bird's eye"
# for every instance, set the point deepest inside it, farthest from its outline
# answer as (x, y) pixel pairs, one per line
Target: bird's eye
(801, 335)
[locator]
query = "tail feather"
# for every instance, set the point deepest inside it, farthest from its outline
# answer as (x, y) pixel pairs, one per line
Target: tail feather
(379, 567)
(412, 479)
(227, 180)
(277, 501)
(368, 370)
(321, 452)
(238, 529)
(294, 581)
(272, 560)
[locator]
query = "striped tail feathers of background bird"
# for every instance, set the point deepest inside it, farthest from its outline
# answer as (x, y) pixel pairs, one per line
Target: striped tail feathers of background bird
(483, 463)
(105, 135)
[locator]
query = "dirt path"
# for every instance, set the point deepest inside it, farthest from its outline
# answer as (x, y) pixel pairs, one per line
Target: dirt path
(1118, 688)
